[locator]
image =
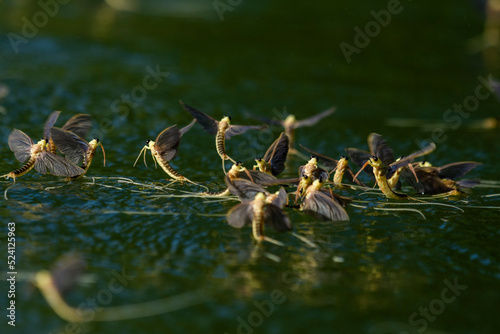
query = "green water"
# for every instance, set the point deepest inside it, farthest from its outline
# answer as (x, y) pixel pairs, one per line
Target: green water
(369, 275)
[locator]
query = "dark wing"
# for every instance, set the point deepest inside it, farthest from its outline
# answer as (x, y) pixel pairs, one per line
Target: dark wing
(235, 130)
(167, 142)
(73, 147)
(49, 123)
(379, 148)
(79, 124)
(404, 161)
(48, 162)
(260, 177)
(324, 207)
(20, 143)
(313, 119)
(468, 183)
(456, 170)
(240, 215)
(275, 217)
(276, 181)
(326, 161)
(208, 123)
(276, 154)
(243, 189)
(282, 198)
(360, 157)
(67, 270)
(428, 182)
(187, 127)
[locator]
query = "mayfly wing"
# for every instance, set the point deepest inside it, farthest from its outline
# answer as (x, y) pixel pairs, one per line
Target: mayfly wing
(208, 123)
(428, 182)
(240, 215)
(360, 157)
(324, 207)
(67, 270)
(49, 123)
(243, 189)
(260, 177)
(456, 170)
(314, 119)
(73, 147)
(276, 154)
(167, 142)
(20, 143)
(326, 161)
(56, 165)
(79, 124)
(235, 130)
(380, 148)
(282, 198)
(409, 158)
(275, 217)
(187, 127)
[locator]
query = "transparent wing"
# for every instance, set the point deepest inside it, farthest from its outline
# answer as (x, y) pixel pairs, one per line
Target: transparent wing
(360, 157)
(322, 206)
(235, 130)
(49, 123)
(240, 215)
(208, 123)
(73, 147)
(167, 142)
(79, 124)
(456, 170)
(48, 162)
(261, 178)
(275, 217)
(276, 154)
(243, 189)
(20, 143)
(326, 161)
(379, 148)
(313, 119)
(187, 127)
(282, 198)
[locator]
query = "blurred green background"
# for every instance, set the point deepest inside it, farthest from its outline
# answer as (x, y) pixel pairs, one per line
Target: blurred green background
(369, 275)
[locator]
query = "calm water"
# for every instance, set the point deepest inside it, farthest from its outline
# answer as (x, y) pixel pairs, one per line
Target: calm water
(369, 275)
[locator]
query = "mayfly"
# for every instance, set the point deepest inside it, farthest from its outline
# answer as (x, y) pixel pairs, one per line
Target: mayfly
(323, 205)
(340, 167)
(274, 160)
(164, 149)
(439, 180)
(76, 149)
(236, 170)
(222, 130)
(290, 123)
(79, 124)
(36, 156)
(258, 208)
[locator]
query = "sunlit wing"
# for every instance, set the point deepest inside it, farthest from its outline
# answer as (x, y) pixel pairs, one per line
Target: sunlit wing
(456, 170)
(187, 127)
(322, 206)
(235, 130)
(167, 142)
(208, 123)
(243, 189)
(379, 148)
(275, 217)
(49, 123)
(326, 161)
(240, 215)
(342, 200)
(313, 119)
(282, 198)
(276, 154)
(20, 143)
(56, 165)
(73, 147)
(79, 124)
